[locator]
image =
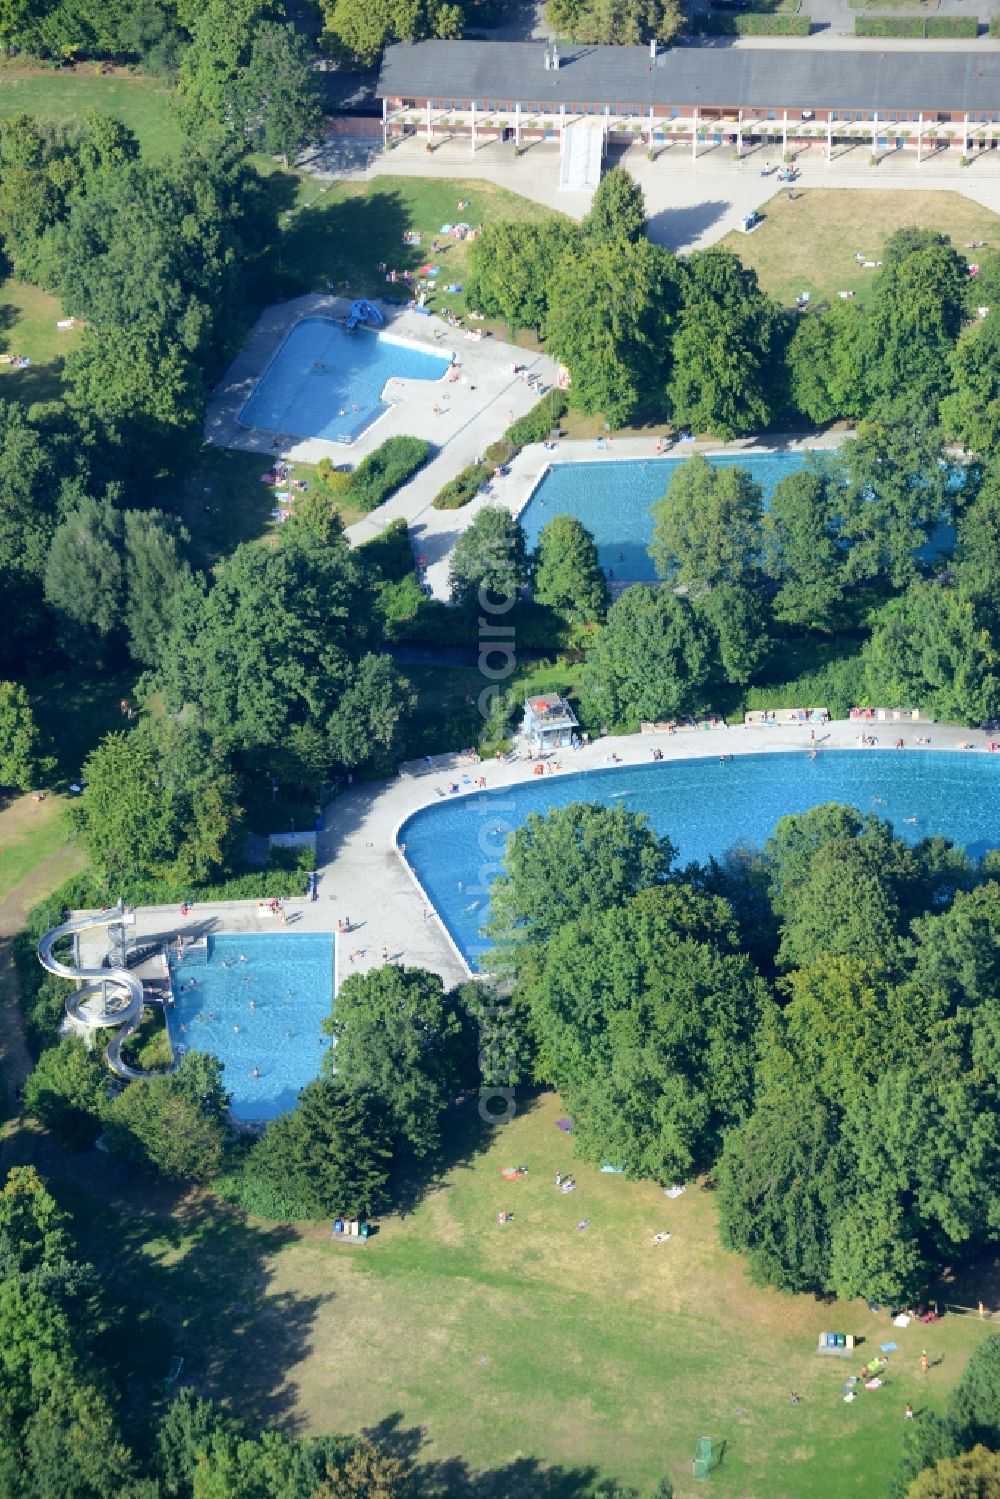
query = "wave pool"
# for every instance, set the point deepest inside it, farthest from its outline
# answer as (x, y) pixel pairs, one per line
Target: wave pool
(705, 807)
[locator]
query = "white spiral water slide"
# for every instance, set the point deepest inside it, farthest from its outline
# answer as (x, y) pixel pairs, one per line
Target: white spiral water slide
(106, 998)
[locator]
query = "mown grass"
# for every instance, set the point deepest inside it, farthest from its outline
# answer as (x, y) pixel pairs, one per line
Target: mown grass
(808, 244)
(534, 1351)
(30, 834)
(66, 95)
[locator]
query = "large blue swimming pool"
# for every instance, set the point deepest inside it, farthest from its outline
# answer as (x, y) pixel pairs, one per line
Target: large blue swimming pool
(257, 1003)
(326, 382)
(613, 500)
(704, 807)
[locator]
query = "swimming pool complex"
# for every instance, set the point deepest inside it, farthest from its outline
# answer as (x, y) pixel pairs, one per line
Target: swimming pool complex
(257, 1002)
(613, 500)
(326, 382)
(704, 807)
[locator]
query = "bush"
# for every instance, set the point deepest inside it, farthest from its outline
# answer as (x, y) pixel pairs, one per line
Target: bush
(839, 686)
(928, 27)
(750, 23)
(463, 488)
(378, 476)
(995, 26)
(501, 452)
(952, 26)
(536, 426)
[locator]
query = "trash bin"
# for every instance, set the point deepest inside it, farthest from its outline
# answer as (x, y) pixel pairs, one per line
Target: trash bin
(363, 1231)
(338, 1225)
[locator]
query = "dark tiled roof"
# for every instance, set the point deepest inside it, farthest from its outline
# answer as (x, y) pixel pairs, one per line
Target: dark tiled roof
(751, 78)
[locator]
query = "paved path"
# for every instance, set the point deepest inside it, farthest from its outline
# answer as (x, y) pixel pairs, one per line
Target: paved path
(691, 204)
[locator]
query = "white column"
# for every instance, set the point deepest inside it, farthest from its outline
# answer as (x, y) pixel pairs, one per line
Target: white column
(784, 133)
(385, 127)
(473, 127)
(920, 138)
(562, 124)
(651, 127)
(517, 123)
(694, 135)
(607, 126)
(965, 136)
(429, 102)
(829, 139)
(739, 135)
(875, 133)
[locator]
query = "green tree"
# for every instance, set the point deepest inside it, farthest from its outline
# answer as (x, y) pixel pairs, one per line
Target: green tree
(510, 267)
(824, 362)
(273, 643)
(929, 649)
(622, 22)
(978, 552)
(779, 1188)
(895, 487)
(610, 319)
(652, 660)
(617, 209)
(375, 702)
(567, 576)
(210, 74)
(23, 762)
(84, 577)
(972, 411)
(738, 618)
(331, 1154)
(720, 380)
(279, 92)
(155, 572)
(579, 859)
(706, 528)
(490, 559)
(158, 803)
(910, 330)
(159, 1124)
(400, 1037)
(67, 1092)
(646, 1030)
(802, 551)
(971, 1475)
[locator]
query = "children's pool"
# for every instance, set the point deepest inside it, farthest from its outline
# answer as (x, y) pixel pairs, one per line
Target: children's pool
(257, 1003)
(704, 807)
(326, 382)
(613, 500)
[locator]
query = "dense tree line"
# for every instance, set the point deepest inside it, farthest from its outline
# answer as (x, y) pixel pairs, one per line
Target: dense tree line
(693, 339)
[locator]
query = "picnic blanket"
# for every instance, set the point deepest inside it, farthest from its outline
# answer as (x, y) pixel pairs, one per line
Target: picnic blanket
(888, 1347)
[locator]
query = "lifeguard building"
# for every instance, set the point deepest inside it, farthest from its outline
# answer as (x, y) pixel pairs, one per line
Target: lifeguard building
(549, 723)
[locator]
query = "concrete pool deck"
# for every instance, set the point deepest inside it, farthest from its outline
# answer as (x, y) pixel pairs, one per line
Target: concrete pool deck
(461, 416)
(365, 876)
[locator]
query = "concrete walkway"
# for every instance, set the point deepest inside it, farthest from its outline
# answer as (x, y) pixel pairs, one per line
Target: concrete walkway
(691, 204)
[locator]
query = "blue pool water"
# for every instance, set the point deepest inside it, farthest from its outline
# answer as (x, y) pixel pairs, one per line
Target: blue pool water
(288, 978)
(326, 382)
(613, 501)
(704, 807)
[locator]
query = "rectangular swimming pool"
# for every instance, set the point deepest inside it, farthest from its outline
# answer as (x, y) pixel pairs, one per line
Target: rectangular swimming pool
(326, 382)
(613, 500)
(257, 1004)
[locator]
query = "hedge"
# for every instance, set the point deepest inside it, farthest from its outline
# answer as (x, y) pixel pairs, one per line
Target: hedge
(534, 427)
(995, 26)
(463, 488)
(391, 552)
(750, 23)
(387, 469)
(924, 27)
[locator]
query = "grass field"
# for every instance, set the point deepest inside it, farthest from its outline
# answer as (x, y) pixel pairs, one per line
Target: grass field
(809, 244)
(28, 320)
(33, 834)
(336, 234)
(66, 95)
(75, 708)
(535, 1352)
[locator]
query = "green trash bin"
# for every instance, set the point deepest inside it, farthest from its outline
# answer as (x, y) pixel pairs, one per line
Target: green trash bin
(363, 1231)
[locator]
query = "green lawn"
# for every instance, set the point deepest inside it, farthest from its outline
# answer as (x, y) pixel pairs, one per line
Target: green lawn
(30, 833)
(515, 1346)
(75, 708)
(28, 320)
(336, 234)
(66, 95)
(808, 244)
